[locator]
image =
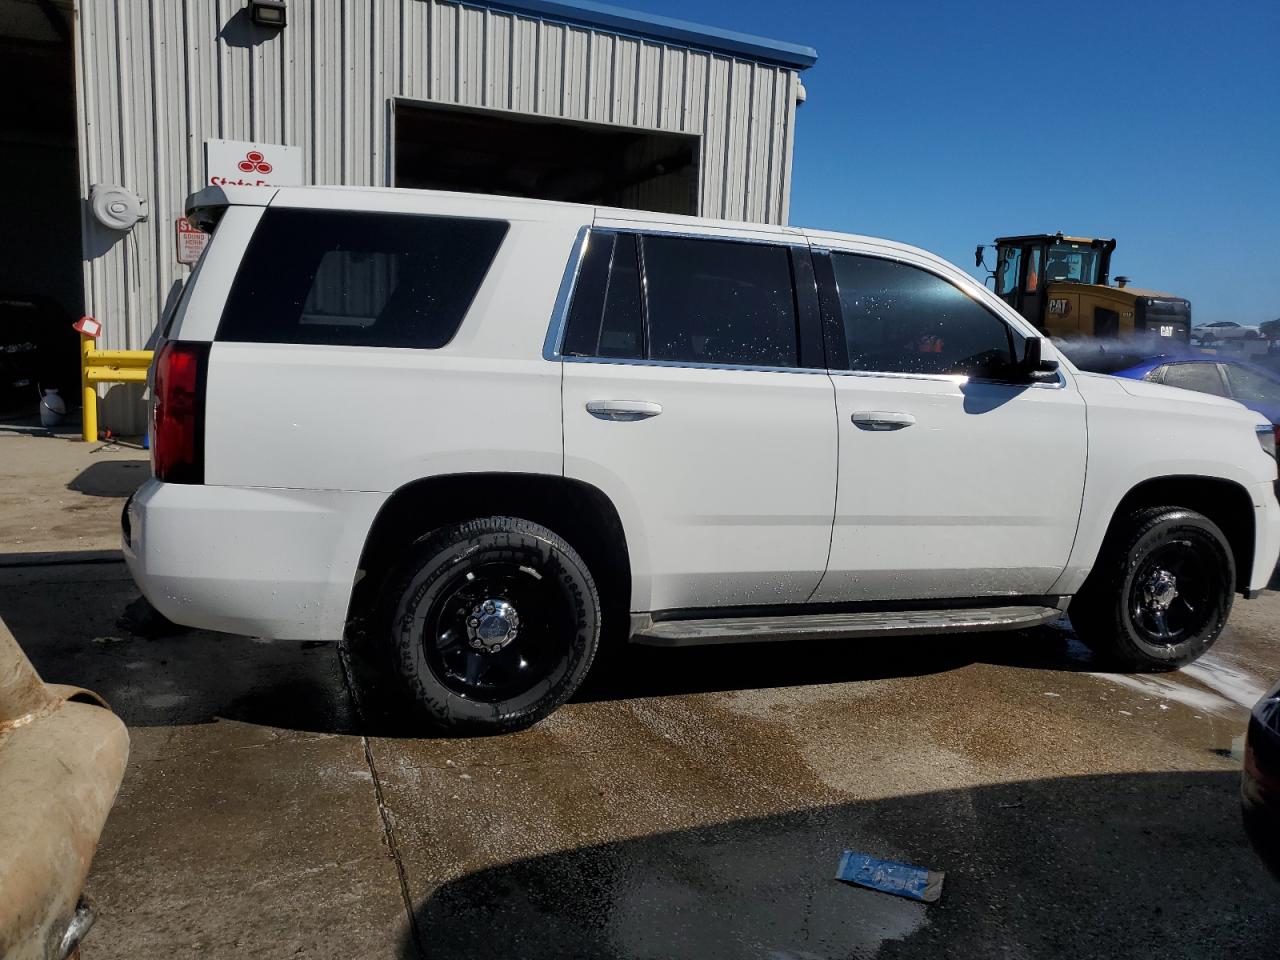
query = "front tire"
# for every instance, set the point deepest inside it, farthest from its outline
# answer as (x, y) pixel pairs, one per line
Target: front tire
(1160, 593)
(495, 624)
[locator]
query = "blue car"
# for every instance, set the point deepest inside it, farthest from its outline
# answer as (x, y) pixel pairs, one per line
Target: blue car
(1252, 384)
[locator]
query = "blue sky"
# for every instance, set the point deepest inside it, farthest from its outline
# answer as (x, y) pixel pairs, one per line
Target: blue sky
(946, 124)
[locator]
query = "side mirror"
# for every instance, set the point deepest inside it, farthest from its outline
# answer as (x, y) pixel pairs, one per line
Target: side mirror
(1033, 362)
(978, 256)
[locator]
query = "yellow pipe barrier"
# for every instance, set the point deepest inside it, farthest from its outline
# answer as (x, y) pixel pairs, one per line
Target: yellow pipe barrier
(123, 358)
(106, 366)
(115, 375)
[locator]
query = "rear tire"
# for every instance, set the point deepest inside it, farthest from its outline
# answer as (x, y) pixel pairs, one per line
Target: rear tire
(495, 624)
(1160, 593)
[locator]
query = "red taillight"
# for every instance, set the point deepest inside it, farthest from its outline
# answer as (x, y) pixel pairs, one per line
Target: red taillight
(177, 412)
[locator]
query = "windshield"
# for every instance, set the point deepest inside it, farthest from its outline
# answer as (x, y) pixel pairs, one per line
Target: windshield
(1075, 262)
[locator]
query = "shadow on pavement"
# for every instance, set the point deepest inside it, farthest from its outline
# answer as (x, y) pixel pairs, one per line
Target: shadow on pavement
(70, 620)
(154, 677)
(1142, 865)
(111, 478)
(646, 672)
(77, 623)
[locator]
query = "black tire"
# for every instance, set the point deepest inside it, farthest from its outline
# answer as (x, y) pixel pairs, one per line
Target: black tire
(501, 666)
(1160, 592)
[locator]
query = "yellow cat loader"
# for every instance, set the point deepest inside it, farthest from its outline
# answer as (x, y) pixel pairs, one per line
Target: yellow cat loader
(1061, 284)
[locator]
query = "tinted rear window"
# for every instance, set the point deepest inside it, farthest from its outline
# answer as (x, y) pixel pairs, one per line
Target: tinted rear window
(358, 279)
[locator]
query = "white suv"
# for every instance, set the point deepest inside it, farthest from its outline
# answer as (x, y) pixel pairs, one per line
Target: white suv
(498, 430)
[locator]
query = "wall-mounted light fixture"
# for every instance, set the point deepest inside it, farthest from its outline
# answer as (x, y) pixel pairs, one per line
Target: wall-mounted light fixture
(267, 13)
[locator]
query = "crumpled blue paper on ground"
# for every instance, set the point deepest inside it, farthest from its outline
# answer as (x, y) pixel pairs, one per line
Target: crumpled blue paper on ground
(899, 879)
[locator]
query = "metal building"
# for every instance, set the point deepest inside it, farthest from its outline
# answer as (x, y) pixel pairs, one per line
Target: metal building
(561, 99)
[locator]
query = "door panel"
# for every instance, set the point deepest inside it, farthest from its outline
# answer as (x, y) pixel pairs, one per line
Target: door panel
(695, 398)
(952, 484)
(978, 496)
(730, 486)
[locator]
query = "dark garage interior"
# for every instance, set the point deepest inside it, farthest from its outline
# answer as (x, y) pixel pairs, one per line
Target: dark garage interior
(40, 283)
(499, 152)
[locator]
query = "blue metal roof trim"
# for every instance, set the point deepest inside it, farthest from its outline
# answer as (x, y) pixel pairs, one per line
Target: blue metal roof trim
(586, 13)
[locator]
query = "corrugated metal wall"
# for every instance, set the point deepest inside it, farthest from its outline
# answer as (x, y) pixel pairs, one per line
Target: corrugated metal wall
(155, 78)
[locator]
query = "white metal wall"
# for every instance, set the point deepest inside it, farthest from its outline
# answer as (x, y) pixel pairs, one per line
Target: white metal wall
(155, 78)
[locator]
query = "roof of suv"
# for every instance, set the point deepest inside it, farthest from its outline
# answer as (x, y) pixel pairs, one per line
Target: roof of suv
(382, 198)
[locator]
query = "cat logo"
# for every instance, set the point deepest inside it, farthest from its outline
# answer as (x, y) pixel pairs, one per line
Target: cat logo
(1060, 306)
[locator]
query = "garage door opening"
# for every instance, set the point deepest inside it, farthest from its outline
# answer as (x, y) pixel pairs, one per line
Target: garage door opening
(492, 151)
(40, 285)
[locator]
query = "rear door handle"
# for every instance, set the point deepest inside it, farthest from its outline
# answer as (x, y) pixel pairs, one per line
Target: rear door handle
(881, 419)
(623, 411)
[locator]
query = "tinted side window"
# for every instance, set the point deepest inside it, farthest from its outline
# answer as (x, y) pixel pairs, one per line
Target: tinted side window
(358, 279)
(900, 319)
(719, 301)
(1200, 377)
(582, 328)
(605, 316)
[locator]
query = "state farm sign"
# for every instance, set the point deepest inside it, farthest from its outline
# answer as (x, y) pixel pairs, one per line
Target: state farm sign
(238, 163)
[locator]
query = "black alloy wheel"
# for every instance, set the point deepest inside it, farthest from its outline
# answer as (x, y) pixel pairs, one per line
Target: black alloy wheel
(496, 624)
(1170, 592)
(1160, 591)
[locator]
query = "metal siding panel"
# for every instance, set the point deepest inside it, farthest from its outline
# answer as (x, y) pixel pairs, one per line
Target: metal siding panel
(497, 80)
(599, 77)
(735, 161)
(549, 99)
(622, 107)
(415, 49)
(444, 52)
(693, 105)
(760, 130)
(787, 137)
(471, 27)
(524, 64)
(674, 66)
(577, 77)
(714, 132)
(382, 70)
(648, 86)
(779, 145)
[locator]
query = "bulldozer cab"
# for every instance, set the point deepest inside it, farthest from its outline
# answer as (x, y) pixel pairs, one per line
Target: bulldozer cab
(1025, 266)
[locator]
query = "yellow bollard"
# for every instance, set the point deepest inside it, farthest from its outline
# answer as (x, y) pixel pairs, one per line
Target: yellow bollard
(89, 392)
(104, 366)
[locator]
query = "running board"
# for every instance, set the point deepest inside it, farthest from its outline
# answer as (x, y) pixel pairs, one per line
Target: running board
(837, 626)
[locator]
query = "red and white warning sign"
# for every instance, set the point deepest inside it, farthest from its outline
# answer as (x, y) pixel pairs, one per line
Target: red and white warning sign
(88, 326)
(190, 241)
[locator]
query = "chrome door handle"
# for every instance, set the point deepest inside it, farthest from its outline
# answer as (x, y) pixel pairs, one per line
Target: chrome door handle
(881, 419)
(623, 411)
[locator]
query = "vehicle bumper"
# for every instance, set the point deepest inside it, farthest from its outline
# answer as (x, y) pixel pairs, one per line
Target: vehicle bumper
(1266, 545)
(1260, 794)
(264, 562)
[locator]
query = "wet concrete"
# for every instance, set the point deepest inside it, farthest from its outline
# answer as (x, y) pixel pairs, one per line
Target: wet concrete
(246, 825)
(689, 803)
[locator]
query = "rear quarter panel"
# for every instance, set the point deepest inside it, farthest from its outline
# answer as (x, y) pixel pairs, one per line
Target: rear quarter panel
(375, 418)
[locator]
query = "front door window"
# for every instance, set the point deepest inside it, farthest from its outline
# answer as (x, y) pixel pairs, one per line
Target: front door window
(1008, 267)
